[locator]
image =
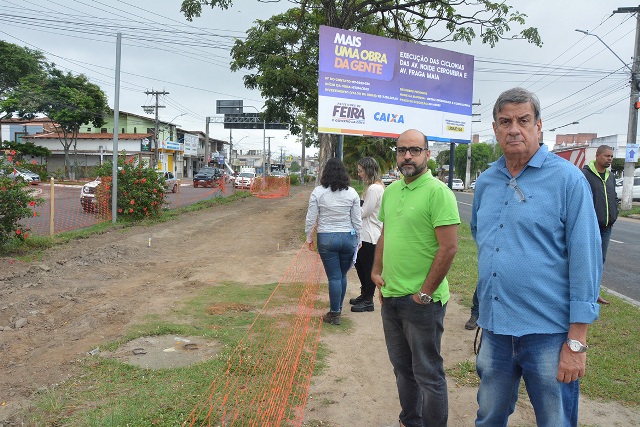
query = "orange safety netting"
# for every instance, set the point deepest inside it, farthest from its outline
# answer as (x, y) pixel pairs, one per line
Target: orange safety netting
(62, 210)
(271, 187)
(268, 374)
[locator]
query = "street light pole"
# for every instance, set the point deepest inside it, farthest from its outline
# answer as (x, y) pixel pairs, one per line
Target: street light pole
(632, 129)
(264, 138)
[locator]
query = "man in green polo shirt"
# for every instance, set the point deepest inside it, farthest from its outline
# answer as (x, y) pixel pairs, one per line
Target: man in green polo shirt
(418, 243)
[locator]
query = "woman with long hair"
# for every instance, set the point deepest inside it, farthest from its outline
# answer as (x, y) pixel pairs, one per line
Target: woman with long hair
(334, 211)
(369, 173)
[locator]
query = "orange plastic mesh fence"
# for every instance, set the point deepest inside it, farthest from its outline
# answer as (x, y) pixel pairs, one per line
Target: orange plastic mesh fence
(268, 374)
(271, 187)
(63, 203)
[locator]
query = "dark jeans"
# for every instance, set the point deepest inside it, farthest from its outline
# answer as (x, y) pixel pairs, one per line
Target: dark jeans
(605, 235)
(475, 308)
(413, 333)
(364, 265)
(336, 252)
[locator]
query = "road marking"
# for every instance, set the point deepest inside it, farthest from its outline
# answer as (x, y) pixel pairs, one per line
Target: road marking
(617, 241)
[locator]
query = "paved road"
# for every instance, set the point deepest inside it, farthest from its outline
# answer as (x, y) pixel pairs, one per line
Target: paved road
(622, 268)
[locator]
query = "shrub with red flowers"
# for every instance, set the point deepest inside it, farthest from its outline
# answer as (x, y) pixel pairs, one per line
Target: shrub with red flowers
(16, 201)
(140, 189)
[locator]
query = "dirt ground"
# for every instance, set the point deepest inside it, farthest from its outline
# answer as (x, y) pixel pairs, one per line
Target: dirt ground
(57, 310)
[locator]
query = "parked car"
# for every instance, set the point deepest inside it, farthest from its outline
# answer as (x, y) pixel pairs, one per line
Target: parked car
(207, 177)
(25, 175)
(472, 185)
(635, 190)
(457, 184)
(88, 198)
(244, 180)
(387, 179)
(170, 181)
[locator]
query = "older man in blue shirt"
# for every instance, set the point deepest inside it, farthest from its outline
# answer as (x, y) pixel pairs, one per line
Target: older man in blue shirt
(539, 270)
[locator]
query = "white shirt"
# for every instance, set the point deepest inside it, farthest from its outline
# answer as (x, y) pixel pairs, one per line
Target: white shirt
(371, 225)
(334, 212)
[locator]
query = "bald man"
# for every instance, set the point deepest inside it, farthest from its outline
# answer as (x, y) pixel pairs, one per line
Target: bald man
(417, 245)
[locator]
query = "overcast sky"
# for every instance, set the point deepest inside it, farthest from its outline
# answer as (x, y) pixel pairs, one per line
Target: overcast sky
(575, 76)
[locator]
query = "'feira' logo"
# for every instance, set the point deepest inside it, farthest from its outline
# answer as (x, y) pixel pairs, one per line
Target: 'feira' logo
(388, 117)
(348, 113)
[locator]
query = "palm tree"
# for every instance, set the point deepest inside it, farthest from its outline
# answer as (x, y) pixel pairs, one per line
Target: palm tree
(357, 147)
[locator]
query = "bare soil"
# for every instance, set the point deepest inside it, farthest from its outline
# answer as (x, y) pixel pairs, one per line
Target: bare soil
(75, 298)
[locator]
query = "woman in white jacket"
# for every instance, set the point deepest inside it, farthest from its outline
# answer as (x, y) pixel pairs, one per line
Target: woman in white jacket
(334, 208)
(369, 172)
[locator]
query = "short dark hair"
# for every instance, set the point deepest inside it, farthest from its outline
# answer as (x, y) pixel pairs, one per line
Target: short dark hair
(335, 175)
(603, 148)
(516, 95)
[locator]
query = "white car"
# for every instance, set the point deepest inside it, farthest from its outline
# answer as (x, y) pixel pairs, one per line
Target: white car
(244, 180)
(387, 179)
(457, 184)
(473, 185)
(170, 181)
(26, 176)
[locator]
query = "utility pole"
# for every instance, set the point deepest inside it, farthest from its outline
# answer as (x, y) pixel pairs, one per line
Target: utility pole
(467, 178)
(150, 109)
(269, 154)
(304, 140)
(282, 155)
(206, 143)
(632, 130)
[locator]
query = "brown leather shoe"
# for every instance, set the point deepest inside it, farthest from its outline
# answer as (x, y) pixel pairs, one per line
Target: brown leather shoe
(602, 301)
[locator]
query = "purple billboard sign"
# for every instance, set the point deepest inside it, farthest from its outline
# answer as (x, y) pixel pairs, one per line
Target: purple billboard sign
(395, 82)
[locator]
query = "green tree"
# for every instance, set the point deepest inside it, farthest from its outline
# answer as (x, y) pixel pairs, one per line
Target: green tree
(295, 167)
(442, 158)
(281, 53)
(481, 155)
(26, 149)
(69, 101)
(433, 167)
(17, 63)
(381, 149)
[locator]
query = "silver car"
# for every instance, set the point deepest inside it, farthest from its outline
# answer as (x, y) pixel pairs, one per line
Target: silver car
(26, 176)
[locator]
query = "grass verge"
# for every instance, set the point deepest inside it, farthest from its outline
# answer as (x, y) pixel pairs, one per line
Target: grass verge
(31, 248)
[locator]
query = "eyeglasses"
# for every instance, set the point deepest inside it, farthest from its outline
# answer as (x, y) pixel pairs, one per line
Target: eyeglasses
(517, 192)
(415, 151)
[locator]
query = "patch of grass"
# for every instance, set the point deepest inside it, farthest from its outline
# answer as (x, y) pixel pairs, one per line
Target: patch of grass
(464, 374)
(463, 275)
(613, 355)
(633, 211)
(111, 393)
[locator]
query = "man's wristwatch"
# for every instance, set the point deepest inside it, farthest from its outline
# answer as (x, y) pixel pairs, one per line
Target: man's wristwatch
(425, 298)
(576, 346)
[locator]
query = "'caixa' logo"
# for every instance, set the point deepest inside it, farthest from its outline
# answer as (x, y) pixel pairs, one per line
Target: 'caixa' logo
(388, 117)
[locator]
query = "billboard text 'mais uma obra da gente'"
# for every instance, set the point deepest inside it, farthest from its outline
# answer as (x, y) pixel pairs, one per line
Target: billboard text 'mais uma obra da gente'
(382, 77)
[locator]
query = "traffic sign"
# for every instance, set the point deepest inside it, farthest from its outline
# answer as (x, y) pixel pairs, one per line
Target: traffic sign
(631, 154)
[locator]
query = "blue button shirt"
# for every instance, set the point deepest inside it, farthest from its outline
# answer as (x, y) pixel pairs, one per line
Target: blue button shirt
(539, 249)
